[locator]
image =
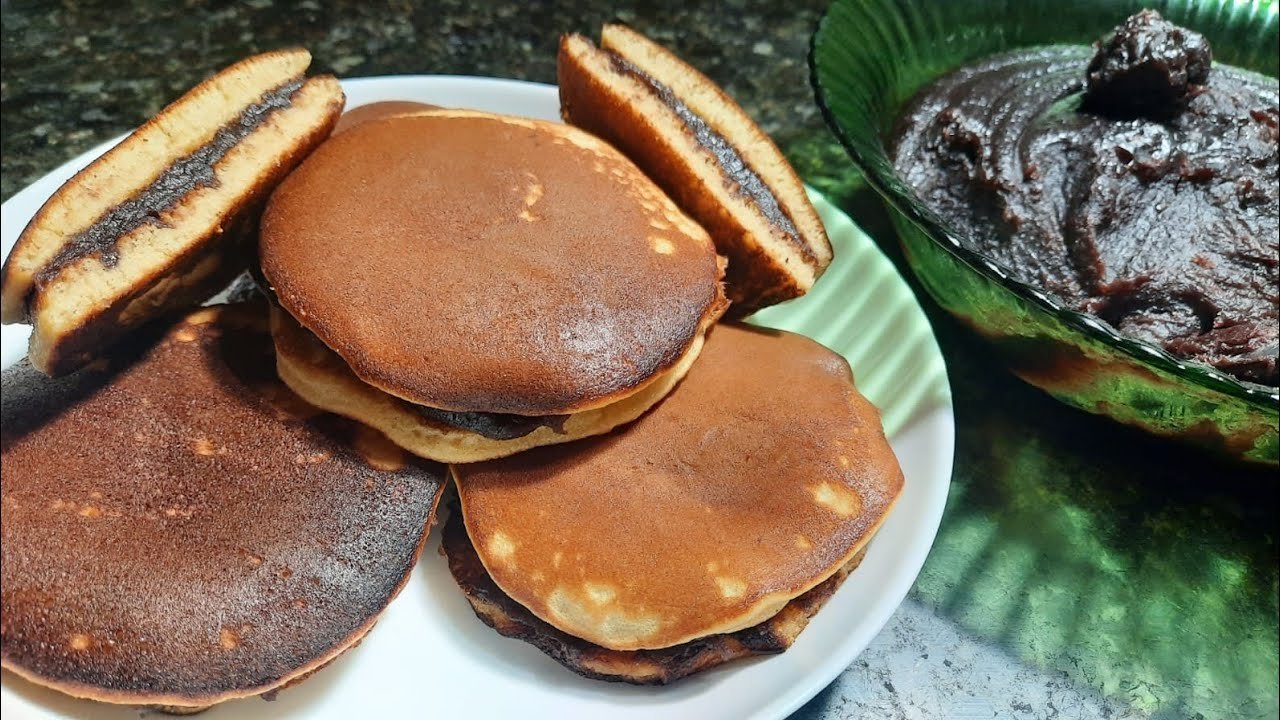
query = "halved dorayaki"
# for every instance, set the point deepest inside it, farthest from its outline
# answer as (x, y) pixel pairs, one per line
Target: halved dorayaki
(168, 216)
(179, 529)
(685, 534)
(706, 153)
(474, 285)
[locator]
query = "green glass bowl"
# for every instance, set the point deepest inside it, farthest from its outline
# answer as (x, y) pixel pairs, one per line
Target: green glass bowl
(870, 56)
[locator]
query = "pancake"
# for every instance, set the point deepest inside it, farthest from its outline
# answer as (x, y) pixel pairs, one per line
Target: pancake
(705, 152)
(168, 216)
(320, 376)
(755, 480)
(640, 667)
(179, 529)
(377, 111)
(480, 263)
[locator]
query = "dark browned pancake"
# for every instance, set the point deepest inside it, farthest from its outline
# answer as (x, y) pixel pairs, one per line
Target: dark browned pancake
(474, 262)
(641, 667)
(181, 530)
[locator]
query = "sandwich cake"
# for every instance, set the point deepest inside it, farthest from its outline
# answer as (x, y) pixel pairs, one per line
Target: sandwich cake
(167, 217)
(179, 529)
(474, 285)
(639, 667)
(711, 528)
(703, 150)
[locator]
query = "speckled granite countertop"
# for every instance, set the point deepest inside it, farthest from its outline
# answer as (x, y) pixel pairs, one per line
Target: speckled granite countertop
(1082, 570)
(76, 73)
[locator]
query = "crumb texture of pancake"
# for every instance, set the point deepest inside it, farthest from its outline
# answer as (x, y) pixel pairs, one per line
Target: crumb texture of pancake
(317, 374)
(758, 477)
(179, 529)
(168, 216)
(704, 151)
(377, 111)
(484, 263)
(640, 667)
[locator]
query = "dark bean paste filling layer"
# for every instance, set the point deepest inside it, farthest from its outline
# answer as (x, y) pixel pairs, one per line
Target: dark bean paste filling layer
(1134, 182)
(749, 184)
(495, 426)
(180, 178)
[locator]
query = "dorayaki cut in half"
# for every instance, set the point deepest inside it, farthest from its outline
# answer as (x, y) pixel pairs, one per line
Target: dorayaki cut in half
(711, 528)
(167, 217)
(706, 153)
(179, 529)
(474, 285)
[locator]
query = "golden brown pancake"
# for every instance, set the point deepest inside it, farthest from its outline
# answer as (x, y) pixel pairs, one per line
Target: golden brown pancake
(641, 667)
(169, 215)
(705, 152)
(377, 111)
(320, 376)
(473, 262)
(179, 529)
(755, 480)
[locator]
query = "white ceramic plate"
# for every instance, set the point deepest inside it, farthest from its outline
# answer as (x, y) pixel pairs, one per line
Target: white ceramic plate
(430, 657)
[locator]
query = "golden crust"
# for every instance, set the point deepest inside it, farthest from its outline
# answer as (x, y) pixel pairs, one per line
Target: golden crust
(320, 376)
(759, 476)
(547, 275)
(179, 529)
(766, 264)
(640, 667)
(85, 305)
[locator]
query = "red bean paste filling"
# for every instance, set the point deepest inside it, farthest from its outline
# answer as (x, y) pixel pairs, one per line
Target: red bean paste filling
(495, 426)
(166, 191)
(1137, 183)
(746, 183)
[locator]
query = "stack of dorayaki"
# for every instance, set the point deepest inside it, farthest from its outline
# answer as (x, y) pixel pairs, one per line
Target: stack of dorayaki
(200, 506)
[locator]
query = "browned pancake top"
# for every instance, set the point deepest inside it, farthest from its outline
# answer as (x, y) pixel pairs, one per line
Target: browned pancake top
(758, 477)
(184, 529)
(483, 263)
(376, 111)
